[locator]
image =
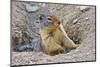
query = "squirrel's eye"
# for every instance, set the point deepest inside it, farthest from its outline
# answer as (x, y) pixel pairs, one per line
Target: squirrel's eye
(49, 18)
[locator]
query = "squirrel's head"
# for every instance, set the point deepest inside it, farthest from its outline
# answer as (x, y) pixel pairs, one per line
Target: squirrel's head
(49, 20)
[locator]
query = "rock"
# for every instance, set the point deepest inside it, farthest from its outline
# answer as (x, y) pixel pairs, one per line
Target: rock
(75, 21)
(86, 18)
(31, 7)
(84, 8)
(26, 47)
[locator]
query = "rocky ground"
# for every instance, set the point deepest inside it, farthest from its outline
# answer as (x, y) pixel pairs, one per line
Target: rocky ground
(85, 51)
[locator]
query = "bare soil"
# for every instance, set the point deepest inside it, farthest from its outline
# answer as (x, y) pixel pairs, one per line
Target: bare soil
(85, 51)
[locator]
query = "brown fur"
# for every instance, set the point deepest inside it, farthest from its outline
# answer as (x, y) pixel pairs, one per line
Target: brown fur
(54, 38)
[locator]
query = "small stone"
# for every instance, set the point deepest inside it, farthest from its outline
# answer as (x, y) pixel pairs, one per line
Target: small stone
(31, 8)
(31, 62)
(75, 21)
(86, 18)
(83, 8)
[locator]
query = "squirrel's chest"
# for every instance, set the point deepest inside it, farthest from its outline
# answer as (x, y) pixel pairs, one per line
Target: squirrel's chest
(56, 35)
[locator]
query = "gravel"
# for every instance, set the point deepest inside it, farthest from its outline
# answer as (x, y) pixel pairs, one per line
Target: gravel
(85, 51)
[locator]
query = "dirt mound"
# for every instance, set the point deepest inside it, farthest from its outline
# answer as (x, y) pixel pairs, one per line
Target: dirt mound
(78, 23)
